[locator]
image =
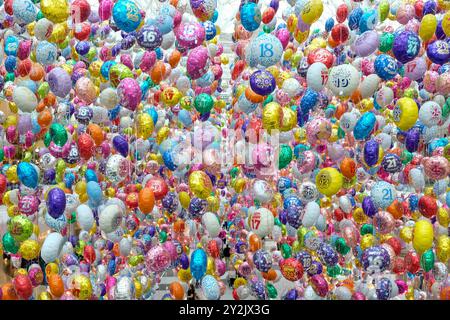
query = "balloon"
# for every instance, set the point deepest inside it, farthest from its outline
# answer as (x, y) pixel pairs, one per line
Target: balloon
(265, 50)
(55, 10)
(364, 126)
(317, 76)
(385, 67)
(126, 15)
(366, 43)
(56, 202)
(405, 113)
(261, 222)
(423, 236)
(27, 174)
(250, 16)
(329, 181)
(262, 82)
(343, 80)
(198, 263)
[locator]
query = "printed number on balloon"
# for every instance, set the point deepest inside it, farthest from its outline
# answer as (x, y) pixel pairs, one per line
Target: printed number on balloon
(266, 50)
(387, 194)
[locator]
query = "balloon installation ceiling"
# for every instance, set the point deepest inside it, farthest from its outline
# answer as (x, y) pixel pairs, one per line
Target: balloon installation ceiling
(300, 143)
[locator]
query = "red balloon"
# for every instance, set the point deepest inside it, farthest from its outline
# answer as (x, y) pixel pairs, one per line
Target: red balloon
(159, 187)
(418, 9)
(428, 206)
(395, 244)
(213, 249)
(292, 269)
(235, 295)
(83, 32)
(3, 183)
(23, 286)
(412, 262)
(341, 13)
(398, 265)
(89, 254)
(80, 10)
(268, 15)
(321, 55)
(8, 7)
(85, 146)
(340, 33)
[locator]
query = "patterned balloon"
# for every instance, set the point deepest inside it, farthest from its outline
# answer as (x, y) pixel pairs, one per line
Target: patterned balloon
(406, 46)
(126, 15)
(262, 82)
(375, 260)
(157, 259)
(385, 66)
(250, 16)
(262, 260)
(265, 50)
(149, 37)
(438, 51)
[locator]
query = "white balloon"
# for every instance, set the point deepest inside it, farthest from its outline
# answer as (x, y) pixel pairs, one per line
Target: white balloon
(168, 40)
(317, 76)
(110, 218)
(52, 247)
(291, 86)
(125, 246)
(85, 217)
(262, 222)
(345, 204)
(312, 212)
(384, 96)
(262, 191)
(109, 98)
(25, 99)
(343, 80)
(369, 85)
(343, 293)
(430, 113)
(348, 121)
(43, 29)
(417, 179)
(211, 223)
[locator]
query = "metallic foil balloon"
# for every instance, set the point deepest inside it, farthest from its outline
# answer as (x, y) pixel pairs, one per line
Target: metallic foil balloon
(262, 260)
(56, 202)
(375, 260)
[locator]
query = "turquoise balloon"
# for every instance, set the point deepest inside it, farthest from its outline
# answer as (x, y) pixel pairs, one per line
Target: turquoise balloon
(126, 15)
(210, 287)
(27, 175)
(90, 175)
(94, 192)
(199, 262)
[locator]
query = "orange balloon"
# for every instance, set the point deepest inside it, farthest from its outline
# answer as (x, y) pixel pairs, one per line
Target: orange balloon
(396, 209)
(36, 72)
(24, 67)
(255, 242)
(340, 110)
(146, 200)
(96, 133)
(348, 168)
(8, 292)
(41, 106)
(56, 284)
(356, 96)
(44, 118)
(445, 293)
(270, 275)
(176, 290)
(174, 58)
(179, 226)
(332, 43)
(252, 96)
(116, 249)
(158, 71)
(50, 99)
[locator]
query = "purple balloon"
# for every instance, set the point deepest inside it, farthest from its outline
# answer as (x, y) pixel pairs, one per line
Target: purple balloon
(375, 259)
(371, 152)
(369, 207)
(439, 52)
(366, 44)
(121, 145)
(149, 37)
(262, 260)
(59, 82)
(262, 82)
(440, 34)
(412, 139)
(406, 46)
(56, 202)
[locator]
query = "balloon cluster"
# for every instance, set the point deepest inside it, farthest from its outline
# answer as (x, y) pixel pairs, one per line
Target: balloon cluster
(111, 161)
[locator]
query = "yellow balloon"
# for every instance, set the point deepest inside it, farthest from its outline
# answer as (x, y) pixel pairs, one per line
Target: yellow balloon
(162, 134)
(29, 249)
(301, 36)
(138, 288)
(184, 275)
(171, 96)
(184, 199)
(144, 126)
(446, 24)
(405, 113)
(292, 22)
(200, 184)
(83, 287)
(329, 181)
(319, 42)
(55, 10)
(443, 248)
(210, 266)
(271, 116)
(427, 27)
(289, 120)
(288, 54)
(312, 11)
(186, 103)
(423, 236)
(444, 4)
(443, 217)
(11, 174)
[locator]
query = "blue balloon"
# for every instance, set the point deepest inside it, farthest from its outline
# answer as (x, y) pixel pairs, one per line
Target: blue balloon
(69, 179)
(90, 175)
(104, 70)
(385, 67)
(168, 160)
(250, 16)
(447, 199)
(185, 117)
(364, 126)
(210, 29)
(164, 23)
(198, 264)
(215, 16)
(94, 192)
(121, 145)
(329, 24)
(27, 174)
(30, 84)
(10, 63)
(309, 100)
(354, 17)
(368, 21)
(152, 112)
(11, 46)
(126, 15)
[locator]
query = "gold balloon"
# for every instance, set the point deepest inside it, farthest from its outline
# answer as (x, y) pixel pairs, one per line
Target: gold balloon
(45, 295)
(272, 116)
(443, 217)
(184, 275)
(82, 287)
(55, 10)
(144, 126)
(200, 184)
(406, 234)
(210, 266)
(289, 120)
(162, 134)
(29, 249)
(367, 241)
(213, 203)
(443, 248)
(184, 199)
(11, 174)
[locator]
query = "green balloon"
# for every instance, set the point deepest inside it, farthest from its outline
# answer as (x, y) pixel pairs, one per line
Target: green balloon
(234, 172)
(2, 154)
(9, 244)
(278, 222)
(203, 103)
(386, 41)
(268, 100)
(10, 77)
(162, 236)
(271, 290)
(20, 227)
(446, 109)
(406, 156)
(43, 90)
(40, 15)
(427, 260)
(334, 271)
(341, 246)
(117, 73)
(285, 156)
(58, 134)
(366, 228)
(383, 10)
(286, 251)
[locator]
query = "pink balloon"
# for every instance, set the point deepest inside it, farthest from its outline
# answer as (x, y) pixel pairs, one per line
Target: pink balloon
(197, 62)
(129, 93)
(190, 34)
